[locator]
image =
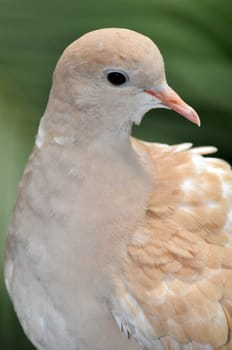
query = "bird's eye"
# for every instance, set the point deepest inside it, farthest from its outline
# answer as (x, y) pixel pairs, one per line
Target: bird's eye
(117, 78)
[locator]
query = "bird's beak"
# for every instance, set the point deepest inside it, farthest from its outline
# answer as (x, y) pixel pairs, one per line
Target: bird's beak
(170, 99)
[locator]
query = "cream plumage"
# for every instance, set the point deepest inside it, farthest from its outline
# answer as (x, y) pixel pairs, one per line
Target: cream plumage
(111, 230)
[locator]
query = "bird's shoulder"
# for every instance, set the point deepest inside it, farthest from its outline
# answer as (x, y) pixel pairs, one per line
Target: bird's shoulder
(177, 284)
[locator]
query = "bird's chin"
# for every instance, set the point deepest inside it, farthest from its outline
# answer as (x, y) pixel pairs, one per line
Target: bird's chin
(138, 116)
(137, 121)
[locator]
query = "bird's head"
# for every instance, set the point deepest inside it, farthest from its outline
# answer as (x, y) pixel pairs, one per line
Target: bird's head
(117, 75)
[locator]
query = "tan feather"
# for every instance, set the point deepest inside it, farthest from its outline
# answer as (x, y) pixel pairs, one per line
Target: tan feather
(180, 274)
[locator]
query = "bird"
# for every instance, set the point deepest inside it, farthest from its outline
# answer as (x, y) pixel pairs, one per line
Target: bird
(117, 243)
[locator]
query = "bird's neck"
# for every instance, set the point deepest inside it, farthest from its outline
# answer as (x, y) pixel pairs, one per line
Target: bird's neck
(101, 181)
(64, 123)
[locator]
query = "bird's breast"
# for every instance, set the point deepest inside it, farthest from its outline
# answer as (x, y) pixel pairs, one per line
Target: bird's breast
(70, 231)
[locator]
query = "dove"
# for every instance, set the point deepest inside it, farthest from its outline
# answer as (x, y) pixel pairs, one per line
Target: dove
(116, 243)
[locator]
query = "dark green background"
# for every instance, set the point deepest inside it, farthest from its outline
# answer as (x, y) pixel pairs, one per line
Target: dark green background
(195, 39)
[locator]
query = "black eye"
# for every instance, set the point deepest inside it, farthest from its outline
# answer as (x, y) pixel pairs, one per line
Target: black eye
(117, 78)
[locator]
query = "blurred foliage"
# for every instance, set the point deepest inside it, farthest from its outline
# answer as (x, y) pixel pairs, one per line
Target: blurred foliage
(194, 37)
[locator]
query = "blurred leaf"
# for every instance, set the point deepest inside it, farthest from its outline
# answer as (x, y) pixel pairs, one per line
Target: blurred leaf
(16, 138)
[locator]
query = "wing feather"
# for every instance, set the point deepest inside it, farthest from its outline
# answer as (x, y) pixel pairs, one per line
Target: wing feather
(178, 271)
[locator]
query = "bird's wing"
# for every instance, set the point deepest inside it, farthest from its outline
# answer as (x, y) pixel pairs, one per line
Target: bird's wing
(177, 286)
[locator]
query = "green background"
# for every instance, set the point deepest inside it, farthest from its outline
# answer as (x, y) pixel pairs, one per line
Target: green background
(195, 39)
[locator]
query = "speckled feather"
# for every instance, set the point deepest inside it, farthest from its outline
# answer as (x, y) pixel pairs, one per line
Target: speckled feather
(178, 272)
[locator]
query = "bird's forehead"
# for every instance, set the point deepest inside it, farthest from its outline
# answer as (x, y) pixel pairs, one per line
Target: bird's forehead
(104, 48)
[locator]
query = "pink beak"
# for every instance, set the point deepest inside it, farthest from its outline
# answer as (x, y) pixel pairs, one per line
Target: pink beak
(170, 99)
